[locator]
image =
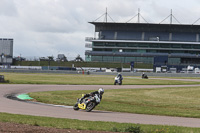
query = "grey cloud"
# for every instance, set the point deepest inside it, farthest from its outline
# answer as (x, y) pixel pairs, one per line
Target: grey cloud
(8, 8)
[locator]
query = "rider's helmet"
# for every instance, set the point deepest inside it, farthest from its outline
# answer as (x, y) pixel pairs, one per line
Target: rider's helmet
(101, 91)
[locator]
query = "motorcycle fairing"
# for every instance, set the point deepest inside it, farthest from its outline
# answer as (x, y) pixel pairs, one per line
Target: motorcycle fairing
(82, 105)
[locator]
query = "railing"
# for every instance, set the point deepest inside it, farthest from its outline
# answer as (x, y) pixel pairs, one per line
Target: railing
(89, 39)
(88, 45)
(87, 52)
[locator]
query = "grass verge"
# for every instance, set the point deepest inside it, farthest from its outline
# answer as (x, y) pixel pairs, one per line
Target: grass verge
(182, 102)
(97, 125)
(76, 79)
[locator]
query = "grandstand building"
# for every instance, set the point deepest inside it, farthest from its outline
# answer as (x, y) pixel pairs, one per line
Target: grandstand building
(6, 51)
(161, 44)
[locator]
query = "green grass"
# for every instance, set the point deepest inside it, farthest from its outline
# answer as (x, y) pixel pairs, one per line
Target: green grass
(183, 102)
(79, 79)
(89, 125)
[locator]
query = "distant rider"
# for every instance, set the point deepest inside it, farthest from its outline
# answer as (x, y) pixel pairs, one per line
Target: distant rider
(144, 75)
(119, 76)
(100, 92)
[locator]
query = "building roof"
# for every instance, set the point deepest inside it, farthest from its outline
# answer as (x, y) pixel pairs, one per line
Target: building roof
(100, 26)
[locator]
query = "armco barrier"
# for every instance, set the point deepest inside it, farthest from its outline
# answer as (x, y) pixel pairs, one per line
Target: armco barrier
(149, 74)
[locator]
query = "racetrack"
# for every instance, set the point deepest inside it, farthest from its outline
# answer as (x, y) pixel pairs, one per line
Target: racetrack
(19, 107)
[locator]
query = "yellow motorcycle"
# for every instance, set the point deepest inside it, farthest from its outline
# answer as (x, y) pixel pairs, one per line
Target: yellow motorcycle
(88, 103)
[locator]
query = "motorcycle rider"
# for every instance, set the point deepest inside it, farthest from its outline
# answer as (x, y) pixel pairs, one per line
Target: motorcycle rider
(119, 76)
(100, 92)
(144, 75)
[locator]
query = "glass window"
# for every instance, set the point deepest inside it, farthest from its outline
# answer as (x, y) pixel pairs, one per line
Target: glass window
(164, 51)
(107, 59)
(154, 45)
(121, 44)
(96, 58)
(115, 50)
(165, 45)
(108, 49)
(177, 51)
(133, 50)
(193, 52)
(88, 58)
(141, 50)
(127, 50)
(174, 60)
(132, 45)
(97, 49)
(151, 51)
(129, 59)
(186, 46)
(110, 44)
(196, 46)
(118, 59)
(176, 45)
(143, 45)
(98, 44)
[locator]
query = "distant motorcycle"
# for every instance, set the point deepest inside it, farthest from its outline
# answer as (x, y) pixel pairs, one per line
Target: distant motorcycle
(118, 81)
(88, 103)
(144, 76)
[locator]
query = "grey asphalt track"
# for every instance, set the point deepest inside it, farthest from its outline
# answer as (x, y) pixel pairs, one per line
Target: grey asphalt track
(18, 107)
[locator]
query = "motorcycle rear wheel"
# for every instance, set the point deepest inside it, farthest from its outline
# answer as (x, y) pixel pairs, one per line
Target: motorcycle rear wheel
(90, 106)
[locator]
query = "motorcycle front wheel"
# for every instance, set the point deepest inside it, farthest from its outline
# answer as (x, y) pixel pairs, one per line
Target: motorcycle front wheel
(76, 107)
(90, 106)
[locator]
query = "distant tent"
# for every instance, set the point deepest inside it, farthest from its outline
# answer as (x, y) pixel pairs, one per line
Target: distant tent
(51, 58)
(43, 59)
(61, 57)
(78, 59)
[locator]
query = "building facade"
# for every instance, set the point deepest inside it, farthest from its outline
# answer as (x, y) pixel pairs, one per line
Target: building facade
(161, 44)
(6, 51)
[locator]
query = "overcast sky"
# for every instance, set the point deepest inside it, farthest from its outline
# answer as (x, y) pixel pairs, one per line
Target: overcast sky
(42, 28)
